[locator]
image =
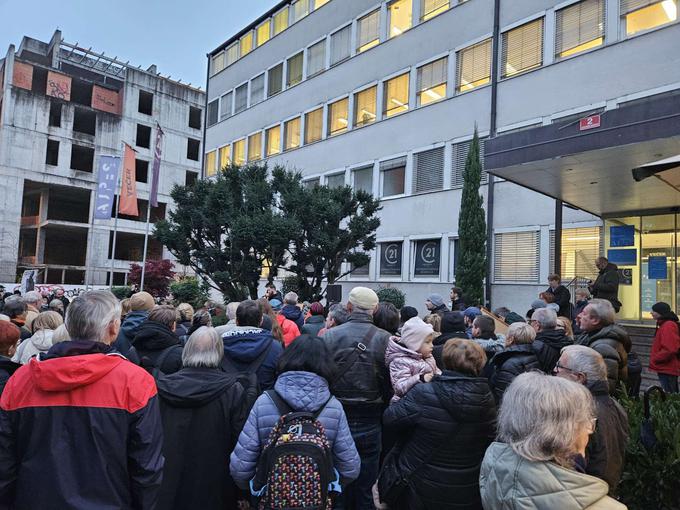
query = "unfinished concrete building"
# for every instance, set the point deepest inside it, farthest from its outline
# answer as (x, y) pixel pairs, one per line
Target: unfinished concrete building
(61, 106)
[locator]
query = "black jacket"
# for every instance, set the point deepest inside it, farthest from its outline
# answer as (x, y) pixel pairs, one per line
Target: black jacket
(25, 332)
(313, 325)
(444, 428)
(458, 305)
(547, 346)
(151, 340)
(562, 299)
(614, 344)
(7, 368)
(606, 286)
(508, 364)
(440, 310)
(439, 342)
(203, 412)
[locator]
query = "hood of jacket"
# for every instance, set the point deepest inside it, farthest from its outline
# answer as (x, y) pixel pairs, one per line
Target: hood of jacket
(555, 338)
(246, 343)
(512, 351)
(613, 332)
(396, 350)
(154, 336)
(303, 391)
(132, 323)
(466, 398)
(452, 322)
(291, 312)
(42, 340)
(193, 387)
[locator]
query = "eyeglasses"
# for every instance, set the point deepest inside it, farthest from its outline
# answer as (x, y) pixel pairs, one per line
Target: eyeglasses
(559, 367)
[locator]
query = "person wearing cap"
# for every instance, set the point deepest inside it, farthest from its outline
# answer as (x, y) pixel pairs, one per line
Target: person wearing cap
(665, 356)
(362, 384)
(141, 304)
(435, 304)
(290, 329)
(469, 316)
(9, 337)
(315, 321)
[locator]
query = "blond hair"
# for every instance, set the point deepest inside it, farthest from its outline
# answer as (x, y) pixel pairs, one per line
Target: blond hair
(463, 355)
(521, 333)
(435, 321)
(47, 320)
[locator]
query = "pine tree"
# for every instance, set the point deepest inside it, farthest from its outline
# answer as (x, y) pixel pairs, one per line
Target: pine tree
(471, 268)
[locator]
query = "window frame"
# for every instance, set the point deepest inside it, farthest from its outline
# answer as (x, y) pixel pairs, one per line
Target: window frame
(382, 171)
(306, 140)
(503, 53)
(301, 55)
(308, 54)
(570, 52)
(390, 27)
(329, 131)
(247, 97)
(248, 36)
(385, 84)
(349, 45)
(235, 145)
(420, 91)
(268, 22)
(356, 95)
(459, 54)
(368, 44)
(286, 123)
(281, 64)
(279, 149)
(275, 19)
(257, 137)
(497, 256)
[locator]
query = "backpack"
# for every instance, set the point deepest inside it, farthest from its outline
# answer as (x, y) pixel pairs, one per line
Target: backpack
(248, 377)
(295, 469)
(145, 362)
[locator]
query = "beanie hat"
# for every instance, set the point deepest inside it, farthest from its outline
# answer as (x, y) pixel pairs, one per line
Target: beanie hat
(661, 308)
(141, 301)
(471, 312)
(414, 332)
(363, 297)
(276, 305)
(316, 308)
(452, 322)
(538, 303)
(9, 333)
(436, 299)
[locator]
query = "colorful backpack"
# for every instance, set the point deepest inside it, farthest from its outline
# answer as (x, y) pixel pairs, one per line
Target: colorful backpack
(295, 469)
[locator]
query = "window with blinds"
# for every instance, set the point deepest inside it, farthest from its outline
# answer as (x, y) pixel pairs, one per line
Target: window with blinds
(431, 82)
(395, 95)
(273, 140)
(430, 8)
(294, 70)
(218, 63)
(365, 106)
(210, 163)
(368, 31)
(522, 48)
(474, 66)
(580, 248)
(280, 21)
(255, 147)
(291, 134)
(399, 13)
(392, 177)
(459, 154)
(226, 105)
(213, 112)
(240, 152)
(275, 80)
(363, 179)
(516, 257)
(338, 117)
(579, 27)
(316, 58)
(232, 53)
(314, 126)
(225, 156)
(335, 180)
(642, 15)
(263, 32)
(246, 44)
(299, 10)
(257, 90)
(241, 98)
(312, 183)
(428, 170)
(341, 45)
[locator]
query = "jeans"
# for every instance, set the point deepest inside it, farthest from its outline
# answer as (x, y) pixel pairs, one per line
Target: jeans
(367, 437)
(669, 383)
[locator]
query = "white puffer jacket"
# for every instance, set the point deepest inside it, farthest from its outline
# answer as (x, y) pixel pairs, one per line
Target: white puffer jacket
(41, 341)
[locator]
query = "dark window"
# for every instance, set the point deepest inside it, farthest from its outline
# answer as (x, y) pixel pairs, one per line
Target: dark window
(145, 103)
(193, 149)
(39, 84)
(143, 136)
(82, 158)
(190, 178)
(52, 157)
(194, 117)
(118, 278)
(141, 170)
(213, 111)
(55, 114)
(81, 92)
(84, 121)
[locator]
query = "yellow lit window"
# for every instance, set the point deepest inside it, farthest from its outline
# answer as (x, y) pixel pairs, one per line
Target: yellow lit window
(246, 44)
(400, 16)
(319, 3)
(337, 117)
(263, 32)
(210, 163)
(579, 27)
(432, 81)
(522, 48)
(396, 95)
(291, 133)
(240, 152)
(225, 156)
(431, 8)
(314, 126)
(218, 63)
(255, 147)
(651, 16)
(281, 21)
(273, 140)
(365, 106)
(232, 53)
(368, 29)
(474, 66)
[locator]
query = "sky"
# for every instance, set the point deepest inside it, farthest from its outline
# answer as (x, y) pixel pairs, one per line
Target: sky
(174, 35)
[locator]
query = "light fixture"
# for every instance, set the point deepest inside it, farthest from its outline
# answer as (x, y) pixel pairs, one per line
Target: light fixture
(434, 95)
(397, 102)
(670, 8)
(396, 31)
(342, 121)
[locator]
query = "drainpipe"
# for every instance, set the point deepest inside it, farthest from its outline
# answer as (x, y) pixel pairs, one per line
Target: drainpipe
(205, 116)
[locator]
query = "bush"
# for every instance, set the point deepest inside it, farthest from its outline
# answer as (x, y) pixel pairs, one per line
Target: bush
(392, 295)
(121, 292)
(290, 284)
(650, 479)
(189, 290)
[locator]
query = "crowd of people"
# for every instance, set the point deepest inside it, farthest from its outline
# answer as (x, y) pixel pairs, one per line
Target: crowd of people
(360, 405)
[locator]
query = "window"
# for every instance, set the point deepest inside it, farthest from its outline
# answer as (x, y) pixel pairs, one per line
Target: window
(84, 121)
(195, 117)
(427, 257)
(257, 90)
(316, 58)
(263, 32)
(218, 63)
(314, 126)
(52, 155)
(281, 21)
(275, 82)
(363, 179)
(314, 182)
(210, 163)
(255, 147)
(392, 177)
(232, 53)
(319, 3)
(141, 170)
(145, 103)
(368, 31)
(360, 270)
(522, 48)
(299, 10)
(515, 257)
(273, 140)
(399, 13)
(428, 170)
(143, 138)
(294, 70)
(337, 117)
(641, 15)
(432, 81)
(580, 248)
(193, 149)
(225, 156)
(213, 112)
(55, 114)
(335, 180)
(396, 95)
(226, 106)
(82, 158)
(579, 28)
(431, 8)
(241, 98)
(474, 66)
(459, 154)
(240, 152)
(390, 258)
(291, 133)
(340, 45)
(246, 44)
(190, 178)
(365, 106)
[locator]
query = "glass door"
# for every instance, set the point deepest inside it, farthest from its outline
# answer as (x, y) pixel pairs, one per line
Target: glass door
(658, 262)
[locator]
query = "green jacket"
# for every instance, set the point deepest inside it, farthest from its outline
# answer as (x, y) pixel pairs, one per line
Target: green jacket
(510, 482)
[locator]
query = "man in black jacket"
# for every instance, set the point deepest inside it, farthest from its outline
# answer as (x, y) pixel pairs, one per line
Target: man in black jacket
(549, 340)
(561, 294)
(156, 344)
(606, 286)
(452, 326)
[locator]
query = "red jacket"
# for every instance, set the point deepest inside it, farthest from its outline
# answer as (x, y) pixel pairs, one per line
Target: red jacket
(290, 329)
(665, 356)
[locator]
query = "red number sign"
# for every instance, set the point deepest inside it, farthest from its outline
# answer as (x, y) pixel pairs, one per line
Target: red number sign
(589, 123)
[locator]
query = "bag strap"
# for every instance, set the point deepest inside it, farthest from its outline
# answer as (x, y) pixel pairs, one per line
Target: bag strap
(353, 356)
(161, 359)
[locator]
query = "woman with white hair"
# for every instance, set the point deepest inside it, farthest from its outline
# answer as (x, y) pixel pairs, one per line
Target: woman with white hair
(538, 460)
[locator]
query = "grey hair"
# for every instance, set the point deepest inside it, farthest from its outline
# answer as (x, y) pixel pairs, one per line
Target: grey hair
(231, 310)
(603, 310)
(56, 304)
(89, 315)
(338, 312)
(546, 317)
(203, 349)
(521, 333)
(542, 417)
(582, 292)
(60, 335)
(33, 297)
(291, 298)
(587, 361)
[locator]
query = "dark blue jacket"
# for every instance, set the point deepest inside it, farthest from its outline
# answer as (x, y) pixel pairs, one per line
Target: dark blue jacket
(293, 313)
(243, 344)
(128, 331)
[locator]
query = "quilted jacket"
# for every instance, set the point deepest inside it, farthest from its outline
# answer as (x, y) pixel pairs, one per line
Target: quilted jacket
(302, 391)
(614, 344)
(510, 482)
(508, 364)
(406, 367)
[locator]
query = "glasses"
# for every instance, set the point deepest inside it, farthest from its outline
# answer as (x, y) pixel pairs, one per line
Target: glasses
(559, 367)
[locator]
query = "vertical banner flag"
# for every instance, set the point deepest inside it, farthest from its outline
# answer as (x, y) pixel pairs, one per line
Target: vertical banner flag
(158, 147)
(109, 167)
(128, 185)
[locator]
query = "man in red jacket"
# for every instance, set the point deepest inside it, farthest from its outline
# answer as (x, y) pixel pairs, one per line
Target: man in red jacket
(80, 428)
(665, 356)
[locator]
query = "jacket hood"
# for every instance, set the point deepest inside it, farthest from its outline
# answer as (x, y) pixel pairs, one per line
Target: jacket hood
(598, 388)
(193, 387)
(132, 322)
(466, 398)
(396, 350)
(291, 312)
(512, 351)
(554, 338)
(303, 391)
(452, 321)
(71, 372)
(42, 340)
(615, 333)
(246, 343)
(444, 337)
(154, 336)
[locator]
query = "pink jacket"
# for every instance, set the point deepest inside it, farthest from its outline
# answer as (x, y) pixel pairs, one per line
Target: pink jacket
(406, 366)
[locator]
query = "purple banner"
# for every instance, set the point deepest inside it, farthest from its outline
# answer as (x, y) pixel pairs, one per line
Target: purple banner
(109, 167)
(158, 147)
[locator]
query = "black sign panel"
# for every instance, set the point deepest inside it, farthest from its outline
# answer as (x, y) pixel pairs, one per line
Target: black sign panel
(390, 258)
(428, 253)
